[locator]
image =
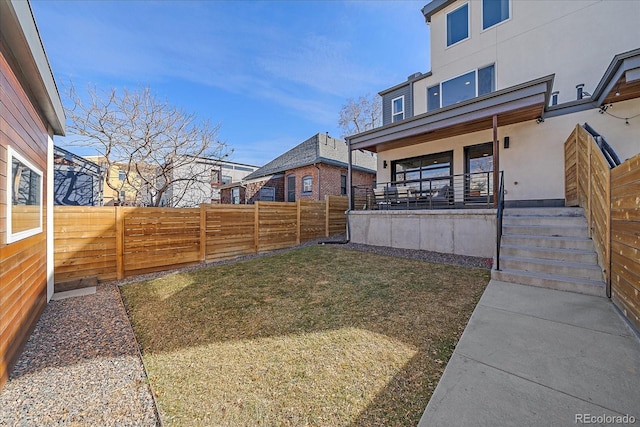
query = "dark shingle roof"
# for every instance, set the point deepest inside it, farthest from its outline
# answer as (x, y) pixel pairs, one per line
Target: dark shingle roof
(320, 148)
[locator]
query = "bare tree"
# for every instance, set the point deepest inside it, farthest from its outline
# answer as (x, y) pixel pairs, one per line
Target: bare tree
(150, 146)
(360, 115)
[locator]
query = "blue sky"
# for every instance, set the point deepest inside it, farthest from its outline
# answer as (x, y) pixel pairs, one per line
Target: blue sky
(272, 73)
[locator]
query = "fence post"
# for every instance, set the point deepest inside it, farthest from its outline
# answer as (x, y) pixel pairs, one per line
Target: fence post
(119, 220)
(327, 209)
(298, 222)
(203, 232)
(256, 226)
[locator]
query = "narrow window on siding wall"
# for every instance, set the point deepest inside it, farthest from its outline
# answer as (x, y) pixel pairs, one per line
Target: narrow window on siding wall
(397, 108)
(24, 195)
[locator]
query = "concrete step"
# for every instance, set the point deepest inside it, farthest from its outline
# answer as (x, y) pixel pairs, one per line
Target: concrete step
(588, 256)
(582, 286)
(553, 212)
(557, 268)
(543, 230)
(558, 221)
(565, 242)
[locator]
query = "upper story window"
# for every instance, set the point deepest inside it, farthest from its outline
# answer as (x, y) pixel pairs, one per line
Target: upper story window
(307, 183)
(469, 85)
(495, 12)
(122, 175)
(458, 25)
(24, 195)
(397, 108)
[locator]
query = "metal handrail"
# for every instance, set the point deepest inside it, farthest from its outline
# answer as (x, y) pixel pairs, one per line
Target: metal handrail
(499, 215)
(608, 152)
(449, 191)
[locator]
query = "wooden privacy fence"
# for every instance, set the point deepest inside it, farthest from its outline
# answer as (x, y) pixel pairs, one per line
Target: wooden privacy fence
(611, 200)
(116, 242)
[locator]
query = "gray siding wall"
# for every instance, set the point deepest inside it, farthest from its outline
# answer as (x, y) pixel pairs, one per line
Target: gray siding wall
(388, 97)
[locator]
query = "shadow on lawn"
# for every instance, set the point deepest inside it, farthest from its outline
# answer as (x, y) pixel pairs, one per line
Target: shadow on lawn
(317, 289)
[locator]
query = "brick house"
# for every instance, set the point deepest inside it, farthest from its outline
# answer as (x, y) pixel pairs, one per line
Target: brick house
(312, 170)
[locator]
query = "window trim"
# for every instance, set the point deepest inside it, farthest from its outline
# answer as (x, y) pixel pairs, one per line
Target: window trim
(446, 22)
(394, 114)
(308, 178)
(12, 237)
(483, 29)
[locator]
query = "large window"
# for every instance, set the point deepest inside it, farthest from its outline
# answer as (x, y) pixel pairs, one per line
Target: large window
(495, 12)
(469, 85)
(426, 174)
(458, 25)
(397, 106)
(24, 195)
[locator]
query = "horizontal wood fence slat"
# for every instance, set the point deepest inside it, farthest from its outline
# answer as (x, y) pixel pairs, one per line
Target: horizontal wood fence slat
(117, 242)
(611, 199)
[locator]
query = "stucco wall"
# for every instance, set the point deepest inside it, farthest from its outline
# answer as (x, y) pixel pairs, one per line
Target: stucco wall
(575, 40)
(462, 232)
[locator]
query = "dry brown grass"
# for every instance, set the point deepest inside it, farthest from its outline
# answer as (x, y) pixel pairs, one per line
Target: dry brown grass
(315, 336)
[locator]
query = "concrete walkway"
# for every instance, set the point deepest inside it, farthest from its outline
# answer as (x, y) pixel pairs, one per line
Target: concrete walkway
(540, 357)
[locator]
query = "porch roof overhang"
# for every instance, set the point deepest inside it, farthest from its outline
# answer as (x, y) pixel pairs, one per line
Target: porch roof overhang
(516, 104)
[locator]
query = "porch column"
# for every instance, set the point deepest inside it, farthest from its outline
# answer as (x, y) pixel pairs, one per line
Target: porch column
(496, 162)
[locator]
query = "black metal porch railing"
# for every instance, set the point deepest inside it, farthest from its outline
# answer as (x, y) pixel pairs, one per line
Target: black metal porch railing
(470, 190)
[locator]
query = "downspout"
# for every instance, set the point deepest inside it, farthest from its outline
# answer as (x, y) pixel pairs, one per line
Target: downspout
(318, 167)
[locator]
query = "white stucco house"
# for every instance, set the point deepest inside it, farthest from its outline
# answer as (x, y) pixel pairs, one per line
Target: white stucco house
(509, 81)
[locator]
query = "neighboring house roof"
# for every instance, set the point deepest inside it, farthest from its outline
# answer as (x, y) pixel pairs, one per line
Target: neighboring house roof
(71, 158)
(320, 148)
(412, 78)
(23, 40)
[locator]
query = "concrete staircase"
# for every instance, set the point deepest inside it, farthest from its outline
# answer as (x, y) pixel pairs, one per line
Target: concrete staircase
(551, 248)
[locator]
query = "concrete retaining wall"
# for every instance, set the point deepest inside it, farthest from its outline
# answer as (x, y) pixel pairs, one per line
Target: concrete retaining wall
(461, 232)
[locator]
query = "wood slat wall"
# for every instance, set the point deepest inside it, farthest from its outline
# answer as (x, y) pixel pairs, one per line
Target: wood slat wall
(116, 242)
(610, 200)
(625, 238)
(23, 265)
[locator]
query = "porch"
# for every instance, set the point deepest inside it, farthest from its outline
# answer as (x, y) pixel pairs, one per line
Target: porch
(463, 191)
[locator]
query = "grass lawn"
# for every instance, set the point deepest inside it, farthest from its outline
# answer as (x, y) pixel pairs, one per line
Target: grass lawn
(319, 336)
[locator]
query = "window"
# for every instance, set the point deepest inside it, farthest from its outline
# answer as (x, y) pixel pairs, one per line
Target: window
(343, 185)
(433, 97)
(307, 183)
(486, 80)
(397, 108)
(122, 175)
(459, 89)
(425, 174)
(226, 179)
(479, 166)
(235, 196)
(215, 176)
(268, 194)
(495, 12)
(458, 25)
(469, 85)
(24, 192)
(291, 188)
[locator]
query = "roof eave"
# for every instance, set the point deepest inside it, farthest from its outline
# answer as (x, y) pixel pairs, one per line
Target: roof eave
(535, 92)
(20, 31)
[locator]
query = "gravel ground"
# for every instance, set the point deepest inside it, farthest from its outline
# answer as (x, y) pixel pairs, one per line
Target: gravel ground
(80, 367)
